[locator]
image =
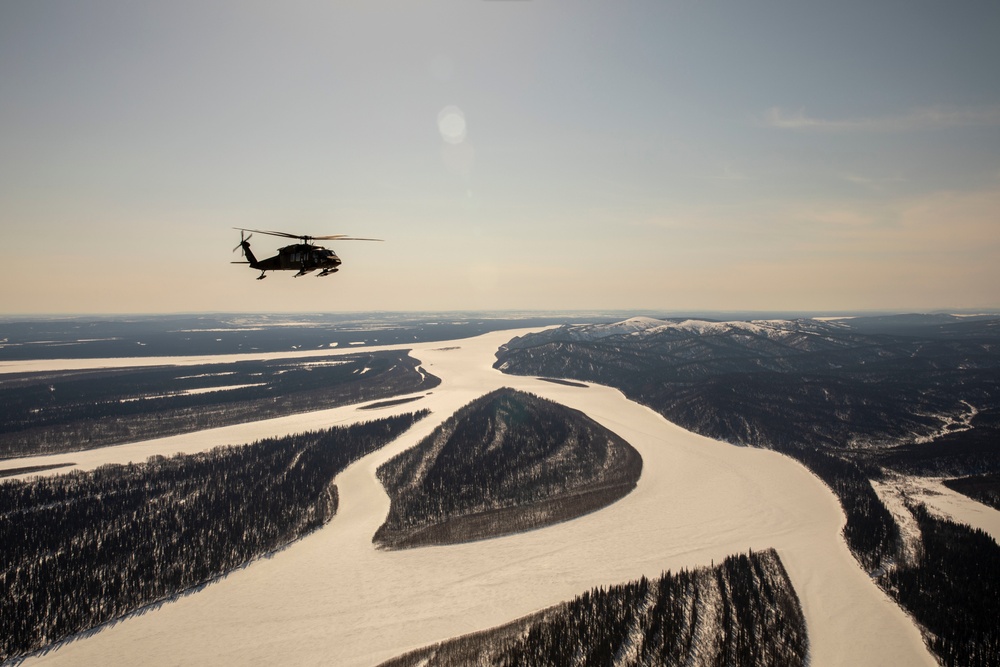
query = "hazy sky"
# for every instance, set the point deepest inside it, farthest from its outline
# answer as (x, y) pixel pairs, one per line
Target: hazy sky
(513, 154)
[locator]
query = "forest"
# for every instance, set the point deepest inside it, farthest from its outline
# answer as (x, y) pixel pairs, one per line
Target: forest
(85, 548)
(953, 591)
(741, 613)
(48, 413)
(850, 401)
(507, 462)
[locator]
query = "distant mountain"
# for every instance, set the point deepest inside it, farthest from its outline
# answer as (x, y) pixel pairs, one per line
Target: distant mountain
(772, 383)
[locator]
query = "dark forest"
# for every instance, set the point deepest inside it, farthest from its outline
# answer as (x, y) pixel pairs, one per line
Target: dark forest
(84, 548)
(953, 591)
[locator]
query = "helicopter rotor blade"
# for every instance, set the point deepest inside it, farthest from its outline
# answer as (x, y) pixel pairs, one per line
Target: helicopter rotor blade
(340, 237)
(306, 237)
(264, 231)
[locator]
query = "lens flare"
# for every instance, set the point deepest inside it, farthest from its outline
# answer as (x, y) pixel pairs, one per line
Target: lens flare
(451, 124)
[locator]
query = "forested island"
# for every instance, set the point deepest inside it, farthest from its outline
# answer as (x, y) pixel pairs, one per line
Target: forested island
(741, 613)
(85, 548)
(507, 462)
(850, 399)
(53, 412)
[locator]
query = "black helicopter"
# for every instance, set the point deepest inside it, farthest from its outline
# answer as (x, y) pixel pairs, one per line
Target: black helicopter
(302, 257)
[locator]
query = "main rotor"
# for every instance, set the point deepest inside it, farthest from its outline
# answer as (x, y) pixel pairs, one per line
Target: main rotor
(306, 238)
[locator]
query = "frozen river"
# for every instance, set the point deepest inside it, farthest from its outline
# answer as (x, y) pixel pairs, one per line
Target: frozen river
(331, 598)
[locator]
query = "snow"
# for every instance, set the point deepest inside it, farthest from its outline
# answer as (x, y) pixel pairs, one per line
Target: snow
(189, 392)
(644, 326)
(629, 326)
(39, 365)
(894, 494)
(950, 423)
(316, 364)
(332, 598)
(221, 330)
(639, 323)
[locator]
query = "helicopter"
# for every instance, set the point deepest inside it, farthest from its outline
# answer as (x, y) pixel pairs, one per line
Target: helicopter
(303, 257)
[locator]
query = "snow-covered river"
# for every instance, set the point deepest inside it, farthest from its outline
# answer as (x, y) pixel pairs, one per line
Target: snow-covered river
(332, 599)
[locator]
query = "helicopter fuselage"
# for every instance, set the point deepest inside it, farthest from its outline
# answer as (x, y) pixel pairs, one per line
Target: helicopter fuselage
(301, 257)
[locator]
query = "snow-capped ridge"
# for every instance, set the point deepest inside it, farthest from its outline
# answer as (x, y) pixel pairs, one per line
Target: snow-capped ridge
(648, 326)
(629, 326)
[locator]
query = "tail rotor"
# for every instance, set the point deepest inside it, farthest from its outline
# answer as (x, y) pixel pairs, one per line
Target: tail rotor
(244, 243)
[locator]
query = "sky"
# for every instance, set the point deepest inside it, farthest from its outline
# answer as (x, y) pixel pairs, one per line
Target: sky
(513, 154)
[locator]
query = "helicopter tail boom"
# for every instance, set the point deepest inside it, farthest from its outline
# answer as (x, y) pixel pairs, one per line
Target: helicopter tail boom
(249, 254)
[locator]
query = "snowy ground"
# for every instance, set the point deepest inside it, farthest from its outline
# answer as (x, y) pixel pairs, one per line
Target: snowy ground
(895, 492)
(955, 506)
(331, 598)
